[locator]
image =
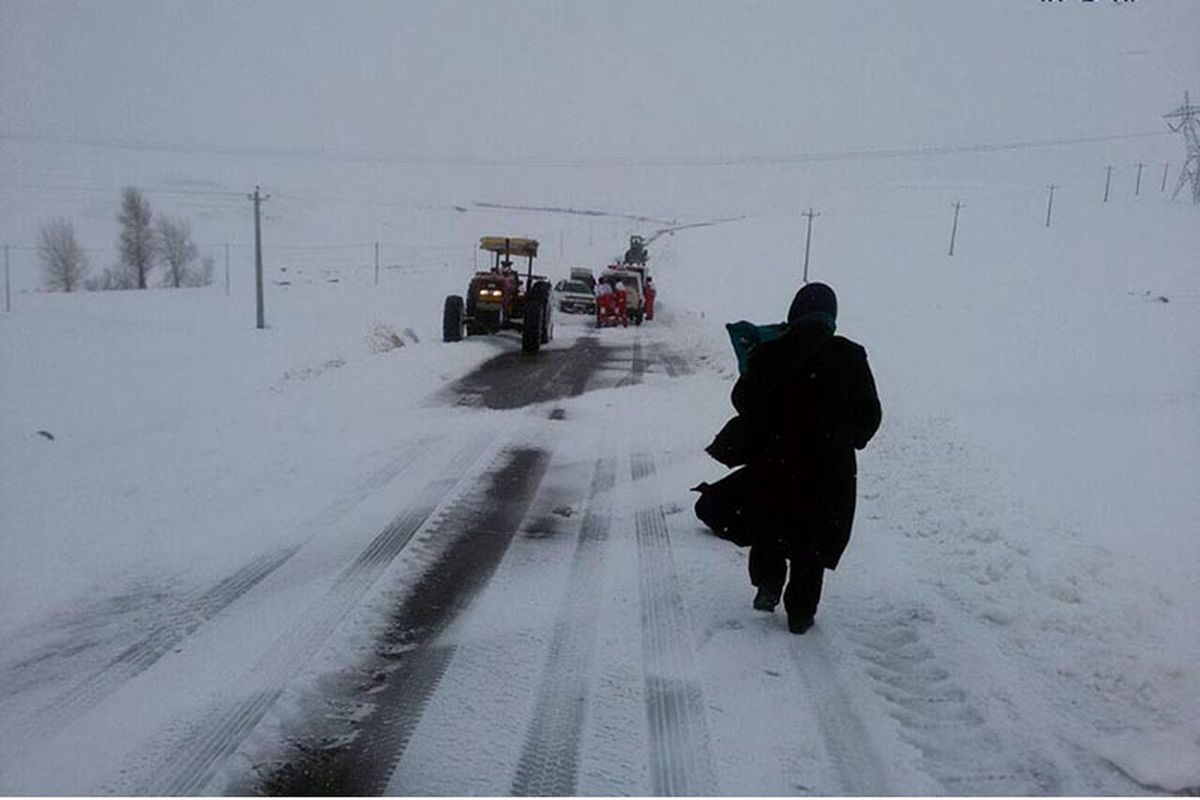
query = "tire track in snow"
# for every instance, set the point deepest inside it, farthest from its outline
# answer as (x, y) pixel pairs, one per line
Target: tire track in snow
(195, 611)
(858, 766)
(139, 657)
(409, 663)
(549, 761)
(638, 367)
(514, 380)
(958, 748)
(673, 363)
(680, 750)
(190, 764)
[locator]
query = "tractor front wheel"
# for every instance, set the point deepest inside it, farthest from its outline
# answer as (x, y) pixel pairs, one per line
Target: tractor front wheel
(452, 319)
(547, 321)
(531, 328)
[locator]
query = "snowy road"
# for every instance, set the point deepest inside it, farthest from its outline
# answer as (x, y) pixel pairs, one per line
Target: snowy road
(518, 600)
(555, 645)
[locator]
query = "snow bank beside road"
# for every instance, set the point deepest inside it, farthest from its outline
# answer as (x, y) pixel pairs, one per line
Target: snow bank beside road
(184, 439)
(1041, 440)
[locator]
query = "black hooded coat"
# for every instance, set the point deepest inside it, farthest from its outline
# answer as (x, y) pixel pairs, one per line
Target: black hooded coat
(809, 402)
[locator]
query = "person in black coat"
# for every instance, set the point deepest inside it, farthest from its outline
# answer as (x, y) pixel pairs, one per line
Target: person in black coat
(809, 402)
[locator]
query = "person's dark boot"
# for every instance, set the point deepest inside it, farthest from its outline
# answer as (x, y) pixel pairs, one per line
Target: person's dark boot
(799, 625)
(766, 599)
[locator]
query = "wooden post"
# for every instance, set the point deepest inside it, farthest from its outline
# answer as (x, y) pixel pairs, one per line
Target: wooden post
(258, 198)
(954, 230)
(808, 239)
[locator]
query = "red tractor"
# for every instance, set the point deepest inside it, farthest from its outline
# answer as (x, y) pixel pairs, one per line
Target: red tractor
(501, 298)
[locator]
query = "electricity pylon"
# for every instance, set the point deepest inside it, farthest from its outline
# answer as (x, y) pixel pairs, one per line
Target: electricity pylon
(1189, 125)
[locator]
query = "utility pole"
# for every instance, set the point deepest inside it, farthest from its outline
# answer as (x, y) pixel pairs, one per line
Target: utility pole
(808, 239)
(1050, 205)
(377, 263)
(1138, 187)
(954, 230)
(258, 199)
(1107, 181)
(1164, 183)
(560, 245)
(227, 269)
(7, 298)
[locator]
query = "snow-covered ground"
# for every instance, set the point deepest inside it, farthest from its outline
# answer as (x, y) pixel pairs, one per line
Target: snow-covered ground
(1017, 612)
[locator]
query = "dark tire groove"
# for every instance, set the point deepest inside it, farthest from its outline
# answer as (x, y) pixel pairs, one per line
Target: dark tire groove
(514, 380)
(191, 763)
(637, 366)
(673, 363)
(408, 663)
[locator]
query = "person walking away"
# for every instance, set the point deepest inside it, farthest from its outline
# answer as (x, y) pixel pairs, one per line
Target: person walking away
(809, 401)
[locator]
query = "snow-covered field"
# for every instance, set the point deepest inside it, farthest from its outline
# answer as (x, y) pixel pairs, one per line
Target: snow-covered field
(1018, 610)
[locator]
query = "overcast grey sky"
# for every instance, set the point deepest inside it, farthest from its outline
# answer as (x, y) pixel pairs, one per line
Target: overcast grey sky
(328, 105)
(583, 79)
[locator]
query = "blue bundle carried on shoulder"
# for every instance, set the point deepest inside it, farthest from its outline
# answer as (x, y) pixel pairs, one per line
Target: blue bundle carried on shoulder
(746, 336)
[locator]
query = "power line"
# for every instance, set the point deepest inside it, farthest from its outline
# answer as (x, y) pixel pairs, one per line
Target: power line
(118, 189)
(302, 198)
(287, 247)
(582, 212)
(327, 154)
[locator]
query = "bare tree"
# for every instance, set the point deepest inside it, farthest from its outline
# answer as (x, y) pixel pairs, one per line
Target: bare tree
(177, 252)
(64, 264)
(110, 278)
(136, 242)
